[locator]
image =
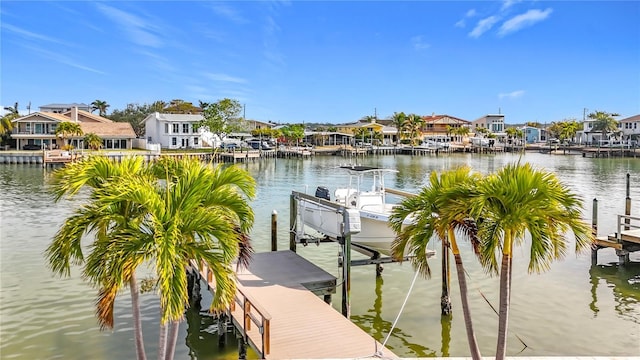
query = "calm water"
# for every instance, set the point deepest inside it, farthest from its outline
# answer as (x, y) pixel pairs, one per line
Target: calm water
(573, 309)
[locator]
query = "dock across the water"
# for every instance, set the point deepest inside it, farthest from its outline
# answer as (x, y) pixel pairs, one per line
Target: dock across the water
(278, 310)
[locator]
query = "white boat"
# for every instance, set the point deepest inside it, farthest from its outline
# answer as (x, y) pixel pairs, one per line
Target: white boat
(366, 212)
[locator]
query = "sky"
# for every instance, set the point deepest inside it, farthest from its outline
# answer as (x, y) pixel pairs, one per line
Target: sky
(328, 61)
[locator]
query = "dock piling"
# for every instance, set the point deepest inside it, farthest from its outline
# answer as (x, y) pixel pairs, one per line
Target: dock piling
(627, 204)
(594, 232)
(445, 299)
(293, 214)
(274, 230)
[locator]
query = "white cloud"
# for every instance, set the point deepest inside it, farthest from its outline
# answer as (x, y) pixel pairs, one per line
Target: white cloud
(139, 30)
(56, 56)
(483, 26)
(418, 43)
(31, 35)
(509, 3)
(228, 12)
(225, 78)
(523, 20)
(511, 95)
(470, 13)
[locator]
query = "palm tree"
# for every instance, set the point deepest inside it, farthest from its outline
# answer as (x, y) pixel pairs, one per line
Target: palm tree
(413, 126)
(440, 208)
(6, 124)
(101, 106)
(482, 131)
(511, 133)
(604, 122)
(519, 199)
(176, 211)
(397, 120)
(93, 141)
(68, 129)
(66, 248)
(463, 131)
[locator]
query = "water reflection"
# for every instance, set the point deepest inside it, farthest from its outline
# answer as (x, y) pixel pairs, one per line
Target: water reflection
(375, 325)
(209, 338)
(624, 281)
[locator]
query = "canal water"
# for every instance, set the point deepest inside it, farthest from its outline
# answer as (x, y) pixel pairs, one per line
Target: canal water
(573, 309)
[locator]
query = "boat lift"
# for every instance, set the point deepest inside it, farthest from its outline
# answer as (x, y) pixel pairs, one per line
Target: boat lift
(343, 223)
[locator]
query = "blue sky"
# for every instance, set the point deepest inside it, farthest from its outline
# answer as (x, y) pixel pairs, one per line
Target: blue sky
(329, 61)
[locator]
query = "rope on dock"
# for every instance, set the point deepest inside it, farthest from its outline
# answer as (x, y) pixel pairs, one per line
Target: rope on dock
(379, 353)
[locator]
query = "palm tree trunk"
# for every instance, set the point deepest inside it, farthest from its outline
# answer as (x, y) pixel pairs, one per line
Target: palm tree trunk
(464, 297)
(172, 340)
(466, 312)
(162, 342)
(505, 299)
(137, 322)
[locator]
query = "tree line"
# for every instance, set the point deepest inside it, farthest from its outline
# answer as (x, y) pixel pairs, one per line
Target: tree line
(223, 117)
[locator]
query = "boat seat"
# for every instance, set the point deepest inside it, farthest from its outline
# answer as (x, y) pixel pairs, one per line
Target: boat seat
(341, 195)
(370, 199)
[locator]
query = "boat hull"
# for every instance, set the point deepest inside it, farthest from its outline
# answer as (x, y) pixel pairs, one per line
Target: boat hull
(322, 216)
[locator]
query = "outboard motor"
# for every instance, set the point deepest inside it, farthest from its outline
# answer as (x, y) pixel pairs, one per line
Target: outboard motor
(322, 193)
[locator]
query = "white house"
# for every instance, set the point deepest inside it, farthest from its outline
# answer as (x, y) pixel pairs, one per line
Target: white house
(173, 131)
(493, 122)
(630, 127)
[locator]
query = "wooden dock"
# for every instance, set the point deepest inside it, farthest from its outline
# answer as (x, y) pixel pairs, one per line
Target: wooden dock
(279, 312)
(626, 240)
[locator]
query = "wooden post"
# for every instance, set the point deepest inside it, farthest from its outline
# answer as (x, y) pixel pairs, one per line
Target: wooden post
(627, 205)
(594, 232)
(274, 230)
(293, 214)
(242, 349)
(445, 299)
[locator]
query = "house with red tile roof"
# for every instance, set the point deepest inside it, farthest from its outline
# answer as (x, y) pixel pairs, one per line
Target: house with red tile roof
(39, 129)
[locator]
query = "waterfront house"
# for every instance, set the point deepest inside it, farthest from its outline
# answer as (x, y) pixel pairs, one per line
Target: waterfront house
(389, 133)
(442, 124)
(593, 137)
(630, 128)
(175, 131)
(494, 123)
(39, 130)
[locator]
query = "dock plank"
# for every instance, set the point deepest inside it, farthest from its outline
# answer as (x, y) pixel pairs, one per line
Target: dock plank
(631, 235)
(302, 324)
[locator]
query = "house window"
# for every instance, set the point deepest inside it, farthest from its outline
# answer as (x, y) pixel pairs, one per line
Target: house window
(185, 128)
(195, 141)
(176, 129)
(27, 127)
(174, 141)
(166, 128)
